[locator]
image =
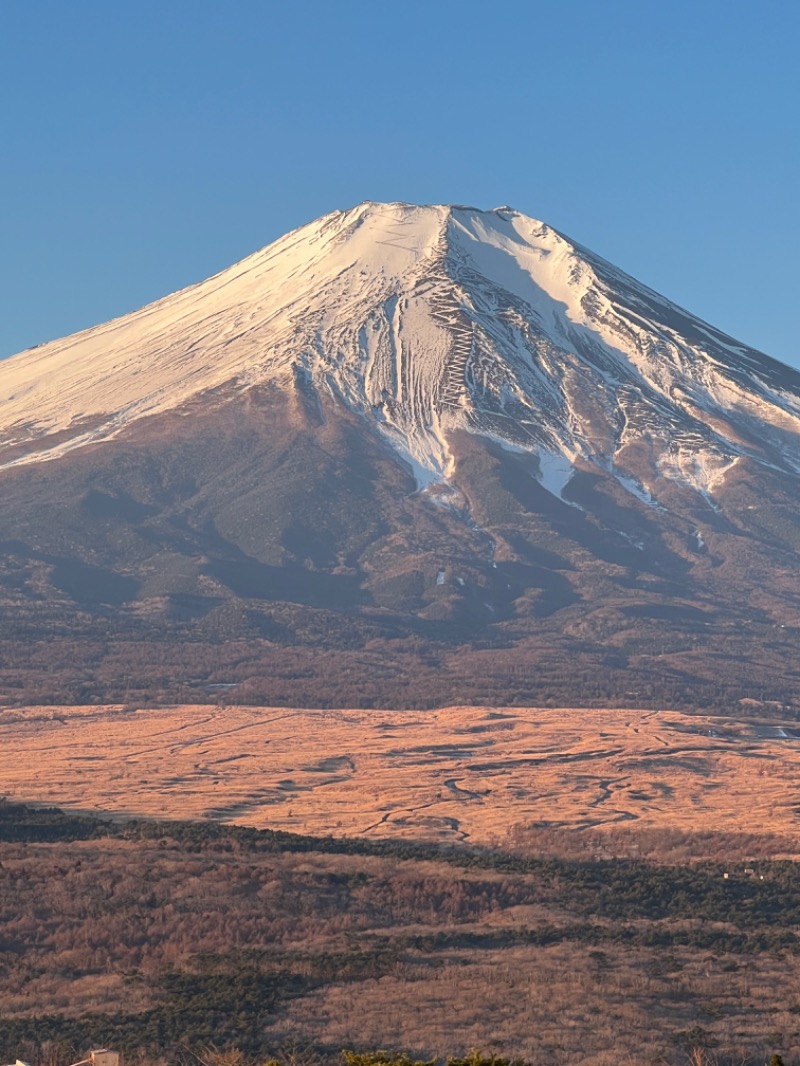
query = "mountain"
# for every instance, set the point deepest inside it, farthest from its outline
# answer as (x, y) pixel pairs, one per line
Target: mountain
(402, 456)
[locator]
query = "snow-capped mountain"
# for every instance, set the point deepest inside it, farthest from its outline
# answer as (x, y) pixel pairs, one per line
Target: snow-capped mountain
(426, 320)
(435, 421)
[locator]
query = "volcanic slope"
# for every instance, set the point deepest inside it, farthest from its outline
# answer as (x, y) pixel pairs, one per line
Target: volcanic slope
(402, 456)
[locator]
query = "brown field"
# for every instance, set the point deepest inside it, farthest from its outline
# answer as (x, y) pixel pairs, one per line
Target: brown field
(458, 774)
(404, 946)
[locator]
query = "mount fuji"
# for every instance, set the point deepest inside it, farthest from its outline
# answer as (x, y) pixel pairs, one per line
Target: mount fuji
(402, 456)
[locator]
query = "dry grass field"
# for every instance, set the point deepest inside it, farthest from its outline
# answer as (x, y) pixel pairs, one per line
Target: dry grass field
(156, 936)
(453, 775)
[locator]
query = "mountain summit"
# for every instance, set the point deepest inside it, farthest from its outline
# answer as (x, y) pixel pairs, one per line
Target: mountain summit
(426, 320)
(412, 427)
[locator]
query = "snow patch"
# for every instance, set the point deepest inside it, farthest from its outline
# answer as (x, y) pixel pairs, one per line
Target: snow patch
(702, 470)
(426, 471)
(556, 472)
(635, 488)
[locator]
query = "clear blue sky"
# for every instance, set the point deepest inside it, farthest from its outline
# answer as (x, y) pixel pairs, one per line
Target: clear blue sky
(145, 145)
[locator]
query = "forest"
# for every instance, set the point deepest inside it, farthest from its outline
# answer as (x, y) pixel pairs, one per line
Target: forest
(178, 942)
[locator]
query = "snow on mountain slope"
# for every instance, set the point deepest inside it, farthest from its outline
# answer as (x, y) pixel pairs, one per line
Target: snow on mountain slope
(426, 320)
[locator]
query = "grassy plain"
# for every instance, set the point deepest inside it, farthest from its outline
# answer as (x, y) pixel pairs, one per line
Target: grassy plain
(565, 885)
(462, 774)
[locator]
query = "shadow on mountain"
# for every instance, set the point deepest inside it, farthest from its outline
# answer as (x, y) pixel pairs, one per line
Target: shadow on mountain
(121, 508)
(250, 579)
(556, 590)
(669, 612)
(307, 543)
(83, 583)
(572, 523)
(535, 554)
(658, 559)
(91, 584)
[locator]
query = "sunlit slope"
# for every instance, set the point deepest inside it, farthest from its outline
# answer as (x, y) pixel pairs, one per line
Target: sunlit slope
(425, 320)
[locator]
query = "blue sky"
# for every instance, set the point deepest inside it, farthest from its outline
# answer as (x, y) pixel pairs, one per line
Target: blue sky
(146, 145)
